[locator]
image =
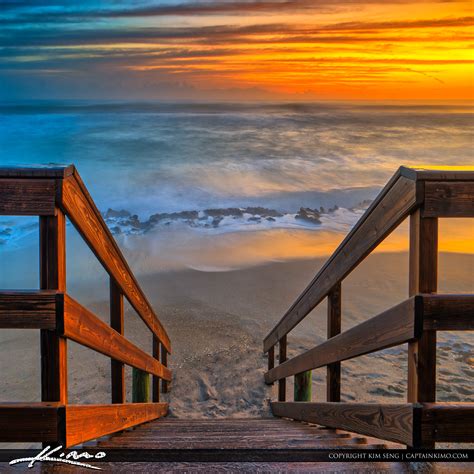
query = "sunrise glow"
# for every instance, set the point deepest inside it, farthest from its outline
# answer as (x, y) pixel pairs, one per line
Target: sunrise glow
(349, 49)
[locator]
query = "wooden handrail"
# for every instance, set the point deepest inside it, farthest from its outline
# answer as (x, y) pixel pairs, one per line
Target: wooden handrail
(54, 194)
(424, 196)
(402, 194)
(38, 191)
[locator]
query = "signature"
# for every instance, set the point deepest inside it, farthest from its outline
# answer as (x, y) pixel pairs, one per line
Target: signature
(70, 458)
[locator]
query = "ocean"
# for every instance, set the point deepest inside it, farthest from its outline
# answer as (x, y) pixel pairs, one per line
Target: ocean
(186, 181)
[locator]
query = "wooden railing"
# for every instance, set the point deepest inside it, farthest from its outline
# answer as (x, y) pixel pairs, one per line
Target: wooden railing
(424, 196)
(54, 194)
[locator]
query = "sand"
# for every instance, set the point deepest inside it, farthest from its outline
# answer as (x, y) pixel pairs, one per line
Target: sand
(217, 321)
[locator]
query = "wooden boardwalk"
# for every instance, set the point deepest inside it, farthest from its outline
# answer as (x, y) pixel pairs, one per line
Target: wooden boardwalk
(421, 196)
(273, 439)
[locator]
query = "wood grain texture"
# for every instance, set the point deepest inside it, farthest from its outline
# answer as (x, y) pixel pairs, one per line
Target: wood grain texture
(84, 327)
(53, 277)
(392, 327)
(333, 371)
(423, 278)
(449, 199)
(48, 172)
(155, 388)
(282, 345)
(267, 438)
(425, 174)
(140, 386)
(392, 422)
(28, 309)
(388, 210)
(27, 197)
(448, 422)
(117, 369)
(83, 213)
(86, 422)
(448, 312)
(29, 422)
(271, 360)
(164, 361)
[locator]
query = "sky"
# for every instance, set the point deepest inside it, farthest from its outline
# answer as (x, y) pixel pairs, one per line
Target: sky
(366, 50)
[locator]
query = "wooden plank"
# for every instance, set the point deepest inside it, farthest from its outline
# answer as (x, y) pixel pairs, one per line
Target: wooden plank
(463, 173)
(49, 172)
(117, 369)
(164, 361)
(448, 312)
(53, 277)
(423, 276)
(390, 328)
(271, 358)
(156, 381)
(333, 371)
(392, 422)
(282, 358)
(82, 326)
(448, 422)
(388, 210)
(27, 197)
(28, 309)
(29, 422)
(86, 422)
(449, 199)
(83, 213)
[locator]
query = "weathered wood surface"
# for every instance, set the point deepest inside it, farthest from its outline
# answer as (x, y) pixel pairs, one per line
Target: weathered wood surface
(303, 385)
(117, 368)
(448, 199)
(333, 371)
(87, 219)
(282, 345)
(83, 327)
(49, 172)
(426, 174)
(393, 422)
(164, 361)
(86, 422)
(29, 422)
(448, 422)
(392, 205)
(140, 386)
(53, 277)
(392, 327)
(448, 312)
(423, 278)
(27, 197)
(155, 388)
(28, 309)
(246, 436)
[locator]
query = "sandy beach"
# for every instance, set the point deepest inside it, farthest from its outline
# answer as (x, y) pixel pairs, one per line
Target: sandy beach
(217, 322)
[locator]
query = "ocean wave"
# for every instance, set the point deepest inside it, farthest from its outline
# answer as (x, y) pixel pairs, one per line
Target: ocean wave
(213, 220)
(234, 219)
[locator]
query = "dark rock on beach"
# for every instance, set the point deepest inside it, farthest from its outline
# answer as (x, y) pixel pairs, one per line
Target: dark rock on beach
(308, 215)
(112, 214)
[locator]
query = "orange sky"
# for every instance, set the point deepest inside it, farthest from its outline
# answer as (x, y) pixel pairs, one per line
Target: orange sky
(293, 49)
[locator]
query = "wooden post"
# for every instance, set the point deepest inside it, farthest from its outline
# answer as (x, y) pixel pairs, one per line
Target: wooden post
(156, 380)
(271, 359)
(116, 322)
(333, 371)
(303, 385)
(164, 361)
(423, 279)
(282, 358)
(53, 277)
(140, 386)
